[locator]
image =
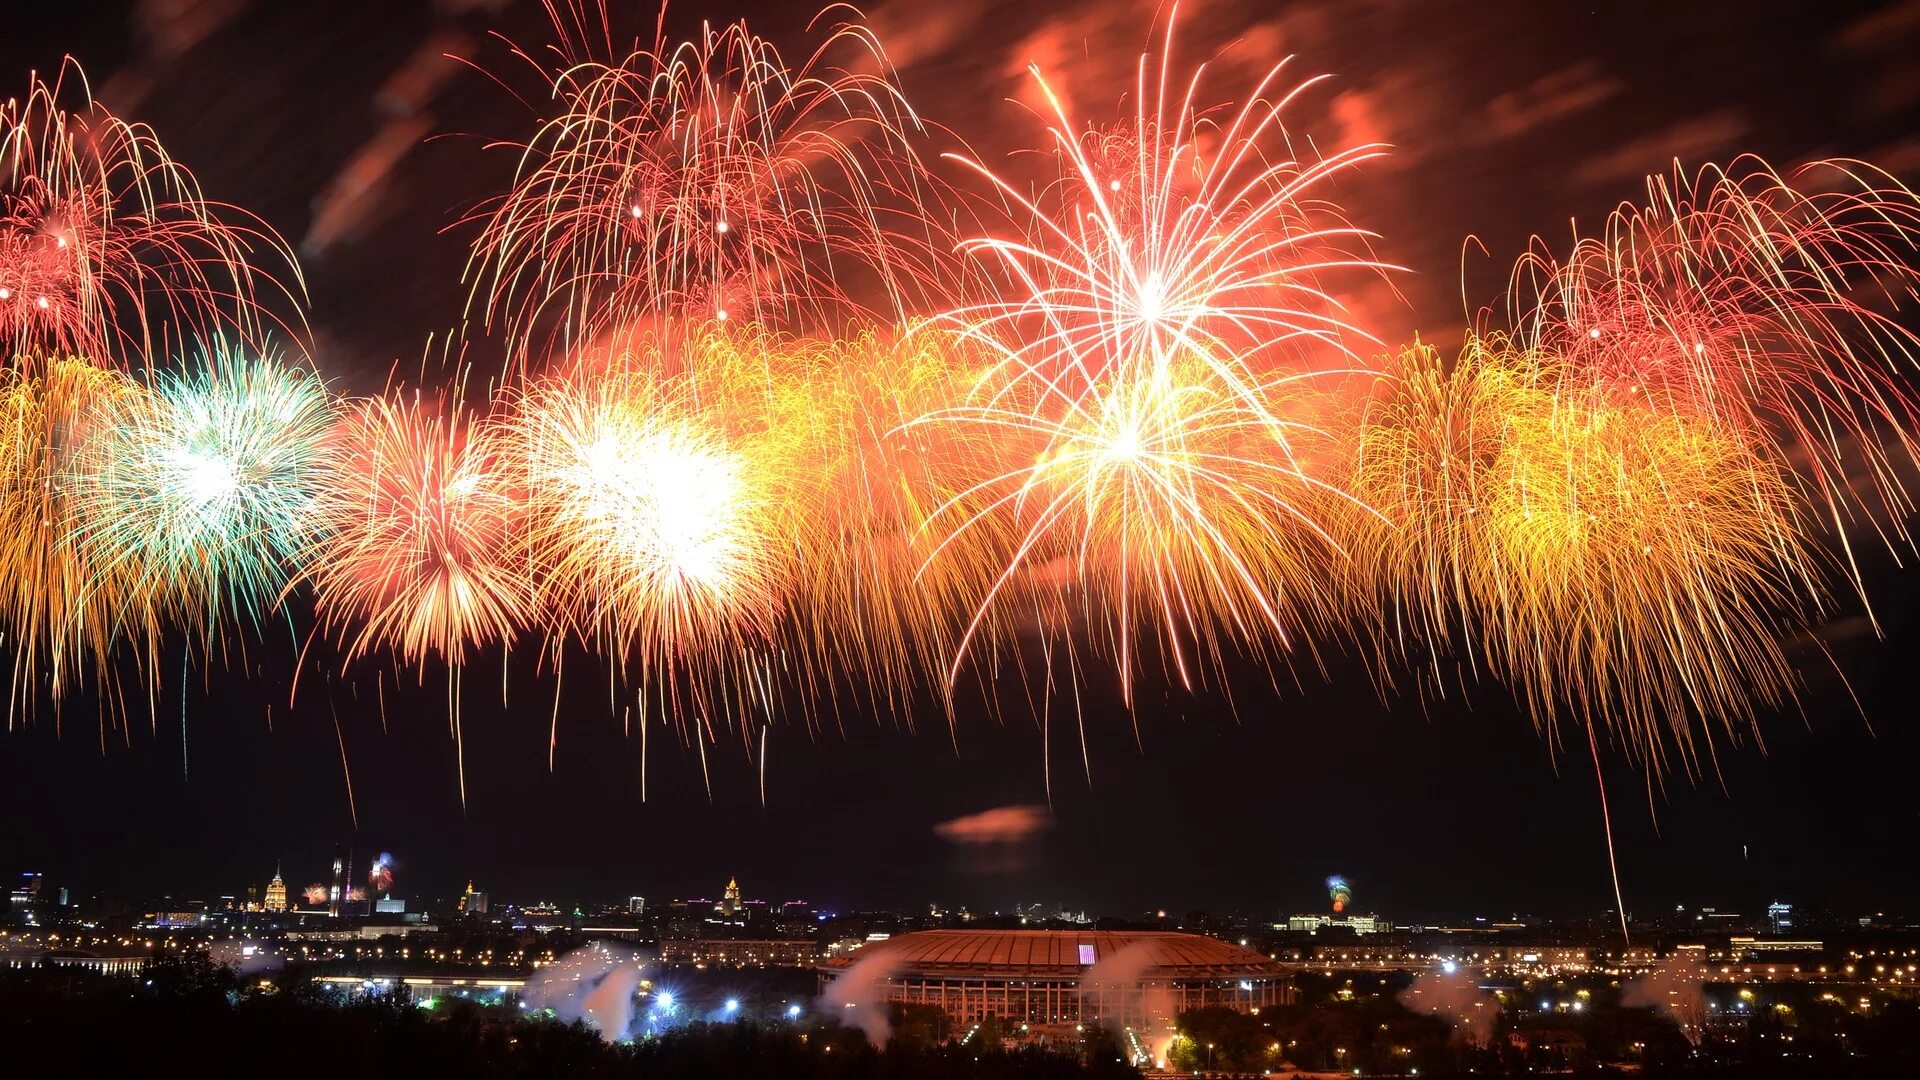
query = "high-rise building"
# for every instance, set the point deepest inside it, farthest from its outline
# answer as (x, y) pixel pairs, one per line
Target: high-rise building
(24, 898)
(730, 903)
(339, 891)
(1779, 917)
(636, 905)
(276, 892)
(473, 903)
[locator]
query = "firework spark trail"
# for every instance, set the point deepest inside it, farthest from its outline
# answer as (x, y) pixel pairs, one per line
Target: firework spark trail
(109, 250)
(1164, 312)
(706, 180)
(1764, 304)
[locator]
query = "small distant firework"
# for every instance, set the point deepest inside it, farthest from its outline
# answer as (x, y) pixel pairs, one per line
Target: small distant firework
(316, 894)
(205, 487)
(704, 180)
(380, 875)
(108, 248)
(1339, 892)
(1166, 308)
(414, 553)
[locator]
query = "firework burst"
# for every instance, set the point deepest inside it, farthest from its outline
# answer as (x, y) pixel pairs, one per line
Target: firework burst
(1765, 305)
(108, 248)
(205, 488)
(1164, 309)
(415, 553)
(63, 613)
(855, 483)
(1629, 568)
(649, 528)
(704, 180)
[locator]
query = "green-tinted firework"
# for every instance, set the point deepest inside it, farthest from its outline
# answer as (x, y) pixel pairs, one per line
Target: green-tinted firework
(206, 485)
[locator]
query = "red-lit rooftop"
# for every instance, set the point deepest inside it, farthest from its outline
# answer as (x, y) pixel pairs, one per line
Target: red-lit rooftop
(1058, 954)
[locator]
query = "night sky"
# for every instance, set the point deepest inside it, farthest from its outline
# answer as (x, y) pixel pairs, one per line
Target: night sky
(346, 128)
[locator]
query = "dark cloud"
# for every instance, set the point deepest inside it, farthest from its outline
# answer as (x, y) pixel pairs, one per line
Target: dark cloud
(1549, 99)
(1691, 142)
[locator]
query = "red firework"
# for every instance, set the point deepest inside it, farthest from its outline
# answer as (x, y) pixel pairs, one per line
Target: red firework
(704, 180)
(1764, 303)
(109, 250)
(417, 526)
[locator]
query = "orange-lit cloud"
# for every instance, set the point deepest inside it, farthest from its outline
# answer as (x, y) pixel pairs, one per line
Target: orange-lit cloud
(1000, 825)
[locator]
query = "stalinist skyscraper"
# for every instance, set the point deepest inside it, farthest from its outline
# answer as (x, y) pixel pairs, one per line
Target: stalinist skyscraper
(276, 892)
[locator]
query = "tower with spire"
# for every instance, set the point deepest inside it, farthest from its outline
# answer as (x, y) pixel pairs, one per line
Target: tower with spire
(730, 904)
(276, 892)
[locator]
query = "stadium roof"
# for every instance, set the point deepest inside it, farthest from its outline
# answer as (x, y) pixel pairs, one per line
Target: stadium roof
(1060, 954)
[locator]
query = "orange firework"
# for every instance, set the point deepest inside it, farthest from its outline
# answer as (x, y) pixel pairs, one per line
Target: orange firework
(856, 485)
(1760, 303)
(1422, 460)
(417, 530)
(109, 250)
(1165, 312)
(844, 487)
(703, 180)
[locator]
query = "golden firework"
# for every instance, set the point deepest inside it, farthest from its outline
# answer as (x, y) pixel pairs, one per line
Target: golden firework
(1630, 568)
(65, 615)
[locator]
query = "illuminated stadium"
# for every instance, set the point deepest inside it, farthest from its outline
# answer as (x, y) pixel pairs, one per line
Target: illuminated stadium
(1060, 977)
